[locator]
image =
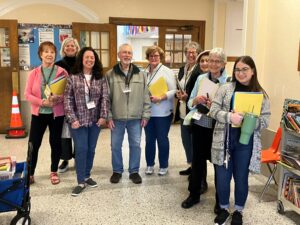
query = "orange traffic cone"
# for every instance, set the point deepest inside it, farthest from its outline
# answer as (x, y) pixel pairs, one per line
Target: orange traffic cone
(16, 129)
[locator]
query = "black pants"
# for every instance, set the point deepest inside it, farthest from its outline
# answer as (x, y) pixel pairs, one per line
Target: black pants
(38, 126)
(202, 140)
(67, 150)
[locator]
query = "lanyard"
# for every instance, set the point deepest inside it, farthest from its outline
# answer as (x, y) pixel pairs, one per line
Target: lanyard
(88, 86)
(187, 75)
(151, 77)
(47, 81)
(128, 76)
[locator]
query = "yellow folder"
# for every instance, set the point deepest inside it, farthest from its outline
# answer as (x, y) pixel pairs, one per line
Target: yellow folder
(159, 87)
(248, 102)
(58, 85)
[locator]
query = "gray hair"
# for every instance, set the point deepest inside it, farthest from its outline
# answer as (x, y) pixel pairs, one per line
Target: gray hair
(192, 44)
(218, 52)
(124, 45)
(65, 42)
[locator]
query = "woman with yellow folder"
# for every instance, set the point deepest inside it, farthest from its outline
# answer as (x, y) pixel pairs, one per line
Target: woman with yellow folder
(162, 86)
(47, 109)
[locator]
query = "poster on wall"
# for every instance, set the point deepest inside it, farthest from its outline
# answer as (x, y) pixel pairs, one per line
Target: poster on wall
(25, 36)
(31, 35)
(46, 34)
(24, 56)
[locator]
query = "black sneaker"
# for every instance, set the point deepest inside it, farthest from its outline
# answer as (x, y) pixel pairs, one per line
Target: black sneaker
(115, 177)
(135, 178)
(186, 172)
(91, 183)
(64, 166)
(190, 202)
(77, 190)
(237, 218)
(222, 217)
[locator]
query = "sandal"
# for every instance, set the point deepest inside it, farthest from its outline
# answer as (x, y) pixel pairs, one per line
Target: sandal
(31, 179)
(54, 178)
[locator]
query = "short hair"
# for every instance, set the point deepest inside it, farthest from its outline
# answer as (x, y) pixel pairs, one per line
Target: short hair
(124, 45)
(97, 70)
(192, 44)
(218, 52)
(153, 49)
(65, 42)
(45, 44)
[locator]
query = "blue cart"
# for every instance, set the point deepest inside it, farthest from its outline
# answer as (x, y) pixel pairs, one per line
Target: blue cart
(14, 193)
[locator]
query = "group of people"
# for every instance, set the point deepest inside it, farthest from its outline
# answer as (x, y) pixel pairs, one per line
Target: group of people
(122, 100)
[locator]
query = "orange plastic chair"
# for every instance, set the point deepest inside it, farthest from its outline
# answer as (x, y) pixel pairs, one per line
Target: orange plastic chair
(271, 156)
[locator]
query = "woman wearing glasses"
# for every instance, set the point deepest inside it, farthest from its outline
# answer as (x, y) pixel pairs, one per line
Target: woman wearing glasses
(241, 158)
(203, 126)
(187, 77)
(161, 118)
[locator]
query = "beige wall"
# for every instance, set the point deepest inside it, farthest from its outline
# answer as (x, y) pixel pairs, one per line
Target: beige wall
(275, 48)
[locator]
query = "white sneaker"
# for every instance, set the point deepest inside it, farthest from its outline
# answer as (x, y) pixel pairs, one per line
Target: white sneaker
(149, 170)
(163, 171)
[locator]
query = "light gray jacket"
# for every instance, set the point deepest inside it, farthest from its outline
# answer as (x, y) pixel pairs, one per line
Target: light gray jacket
(220, 110)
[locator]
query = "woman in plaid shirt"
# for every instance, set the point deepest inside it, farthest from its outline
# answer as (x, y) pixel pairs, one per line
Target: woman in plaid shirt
(86, 104)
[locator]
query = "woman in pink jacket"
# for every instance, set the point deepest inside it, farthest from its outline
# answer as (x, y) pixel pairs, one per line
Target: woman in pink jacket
(47, 109)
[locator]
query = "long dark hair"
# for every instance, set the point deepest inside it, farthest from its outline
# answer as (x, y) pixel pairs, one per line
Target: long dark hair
(97, 71)
(254, 85)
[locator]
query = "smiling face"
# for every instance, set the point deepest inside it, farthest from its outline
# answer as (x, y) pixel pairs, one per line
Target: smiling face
(88, 61)
(243, 73)
(47, 56)
(154, 59)
(215, 65)
(204, 63)
(125, 55)
(70, 49)
(191, 56)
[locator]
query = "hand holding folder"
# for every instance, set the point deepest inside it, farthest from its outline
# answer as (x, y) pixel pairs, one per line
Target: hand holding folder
(159, 87)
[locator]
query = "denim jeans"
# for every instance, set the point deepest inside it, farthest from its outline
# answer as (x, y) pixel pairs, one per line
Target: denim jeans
(239, 161)
(186, 137)
(134, 131)
(158, 129)
(85, 141)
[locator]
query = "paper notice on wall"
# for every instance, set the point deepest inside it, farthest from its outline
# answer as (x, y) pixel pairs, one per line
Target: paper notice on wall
(24, 56)
(64, 33)
(46, 34)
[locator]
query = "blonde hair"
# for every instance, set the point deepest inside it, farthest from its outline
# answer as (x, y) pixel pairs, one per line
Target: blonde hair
(65, 42)
(153, 49)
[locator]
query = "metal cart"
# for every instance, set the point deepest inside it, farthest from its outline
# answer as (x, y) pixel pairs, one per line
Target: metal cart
(290, 144)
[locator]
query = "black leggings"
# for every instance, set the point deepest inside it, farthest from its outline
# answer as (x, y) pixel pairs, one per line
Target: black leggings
(38, 126)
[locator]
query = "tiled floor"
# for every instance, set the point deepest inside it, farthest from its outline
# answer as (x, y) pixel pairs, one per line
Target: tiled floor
(156, 201)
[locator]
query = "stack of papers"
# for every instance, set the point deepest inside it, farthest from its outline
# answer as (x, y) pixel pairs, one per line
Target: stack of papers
(207, 88)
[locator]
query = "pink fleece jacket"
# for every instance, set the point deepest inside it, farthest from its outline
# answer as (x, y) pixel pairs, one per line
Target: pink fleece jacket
(33, 91)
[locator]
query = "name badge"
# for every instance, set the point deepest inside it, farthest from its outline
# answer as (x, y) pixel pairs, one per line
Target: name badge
(197, 116)
(91, 105)
(126, 90)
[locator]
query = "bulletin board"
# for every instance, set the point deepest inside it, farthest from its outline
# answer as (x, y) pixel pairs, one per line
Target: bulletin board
(31, 35)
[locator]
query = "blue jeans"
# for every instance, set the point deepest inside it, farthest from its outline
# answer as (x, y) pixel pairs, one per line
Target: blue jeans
(186, 137)
(134, 131)
(239, 161)
(157, 129)
(85, 141)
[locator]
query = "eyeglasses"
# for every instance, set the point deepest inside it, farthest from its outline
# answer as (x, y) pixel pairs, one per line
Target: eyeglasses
(191, 52)
(243, 70)
(214, 61)
(154, 56)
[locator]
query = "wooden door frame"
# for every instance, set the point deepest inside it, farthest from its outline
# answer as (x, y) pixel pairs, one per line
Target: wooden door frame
(183, 24)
